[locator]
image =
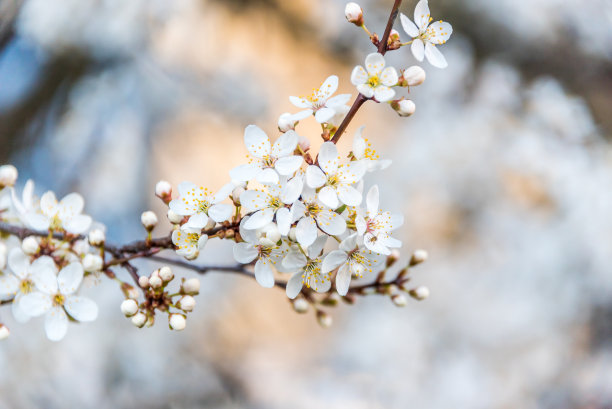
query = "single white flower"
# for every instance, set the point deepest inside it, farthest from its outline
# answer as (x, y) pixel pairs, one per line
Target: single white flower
(267, 161)
(339, 116)
(28, 203)
(310, 213)
(65, 215)
(375, 225)
(426, 36)
(251, 249)
(375, 80)
(201, 204)
(307, 269)
(56, 297)
(189, 241)
(352, 260)
(321, 102)
(8, 175)
(20, 282)
(362, 151)
(335, 180)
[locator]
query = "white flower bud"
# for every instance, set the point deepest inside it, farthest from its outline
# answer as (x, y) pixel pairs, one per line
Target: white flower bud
(404, 107)
(29, 245)
(92, 263)
(354, 14)
(3, 251)
(269, 235)
(187, 303)
(97, 237)
(418, 257)
(300, 305)
(304, 143)
(148, 220)
(4, 332)
(286, 122)
(129, 307)
(165, 273)
(399, 300)
(191, 286)
(177, 322)
(292, 235)
(143, 282)
(174, 218)
(132, 293)
(238, 190)
(419, 293)
(155, 281)
(414, 76)
(139, 320)
(150, 321)
(163, 190)
(81, 247)
(8, 175)
(325, 320)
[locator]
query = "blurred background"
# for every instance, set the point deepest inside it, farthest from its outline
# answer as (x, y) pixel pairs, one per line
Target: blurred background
(504, 175)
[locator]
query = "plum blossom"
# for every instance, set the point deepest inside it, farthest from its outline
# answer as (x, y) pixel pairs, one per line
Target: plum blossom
(321, 102)
(375, 225)
(375, 80)
(201, 204)
(307, 269)
(267, 161)
(362, 151)
(55, 298)
(426, 36)
(310, 213)
(65, 215)
(267, 256)
(189, 241)
(273, 201)
(334, 179)
(352, 259)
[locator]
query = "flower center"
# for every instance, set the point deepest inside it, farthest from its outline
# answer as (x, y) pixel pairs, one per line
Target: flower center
(333, 180)
(312, 276)
(275, 202)
(312, 209)
(55, 223)
(58, 300)
(268, 161)
(374, 81)
(26, 286)
(186, 240)
(203, 206)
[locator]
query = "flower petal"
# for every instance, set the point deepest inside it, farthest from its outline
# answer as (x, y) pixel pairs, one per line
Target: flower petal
(352, 172)
(9, 285)
(81, 309)
(421, 14)
(365, 90)
(264, 274)
(256, 141)
(253, 200)
(70, 277)
(35, 303)
(37, 221)
(314, 250)
(267, 176)
(331, 222)
(220, 212)
(434, 56)
(383, 93)
(283, 220)
(244, 253)
(315, 176)
(285, 144)
(244, 173)
(259, 219)
(44, 276)
(294, 260)
(418, 49)
(77, 224)
(338, 100)
(333, 260)
(70, 205)
(372, 201)
(324, 114)
(294, 285)
(440, 32)
(359, 76)
(300, 102)
(329, 159)
(306, 231)
(329, 86)
(18, 313)
(328, 197)
(343, 279)
(288, 165)
(197, 221)
(389, 77)
(409, 27)
(48, 204)
(19, 263)
(374, 63)
(56, 324)
(292, 190)
(359, 144)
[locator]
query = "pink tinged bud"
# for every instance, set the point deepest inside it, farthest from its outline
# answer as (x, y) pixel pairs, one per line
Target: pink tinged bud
(174, 218)
(304, 143)
(8, 176)
(163, 190)
(165, 273)
(143, 282)
(29, 245)
(4, 332)
(148, 220)
(394, 35)
(187, 303)
(300, 305)
(236, 195)
(139, 320)
(404, 107)
(414, 76)
(129, 308)
(132, 293)
(177, 322)
(418, 257)
(286, 122)
(419, 293)
(97, 237)
(354, 13)
(191, 286)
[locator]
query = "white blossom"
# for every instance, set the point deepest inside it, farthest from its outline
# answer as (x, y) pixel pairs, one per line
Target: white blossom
(201, 205)
(65, 215)
(8, 175)
(363, 151)
(375, 80)
(310, 214)
(188, 242)
(307, 269)
(426, 36)
(321, 102)
(265, 204)
(375, 225)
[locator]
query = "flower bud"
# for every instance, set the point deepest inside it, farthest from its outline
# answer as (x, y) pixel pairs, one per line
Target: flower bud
(3, 251)
(92, 263)
(393, 42)
(139, 320)
(148, 220)
(210, 224)
(155, 282)
(132, 292)
(418, 257)
(129, 307)
(286, 122)
(177, 322)
(81, 247)
(414, 76)
(4, 332)
(191, 286)
(238, 190)
(300, 305)
(403, 107)
(399, 300)
(269, 235)
(324, 319)
(97, 237)
(150, 321)
(392, 258)
(292, 235)
(165, 273)
(8, 176)
(163, 190)
(29, 245)
(354, 14)
(303, 143)
(174, 218)
(419, 293)
(143, 282)
(187, 303)
(332, 299)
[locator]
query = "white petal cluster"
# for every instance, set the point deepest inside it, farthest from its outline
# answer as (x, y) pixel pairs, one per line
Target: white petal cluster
(320, 102)
(426, 36)
(376, 79)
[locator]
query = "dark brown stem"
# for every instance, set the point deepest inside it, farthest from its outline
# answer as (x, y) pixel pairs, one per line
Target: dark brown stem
(382, 48)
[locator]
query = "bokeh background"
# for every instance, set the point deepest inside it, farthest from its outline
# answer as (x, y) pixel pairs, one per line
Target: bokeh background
(504, 175)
